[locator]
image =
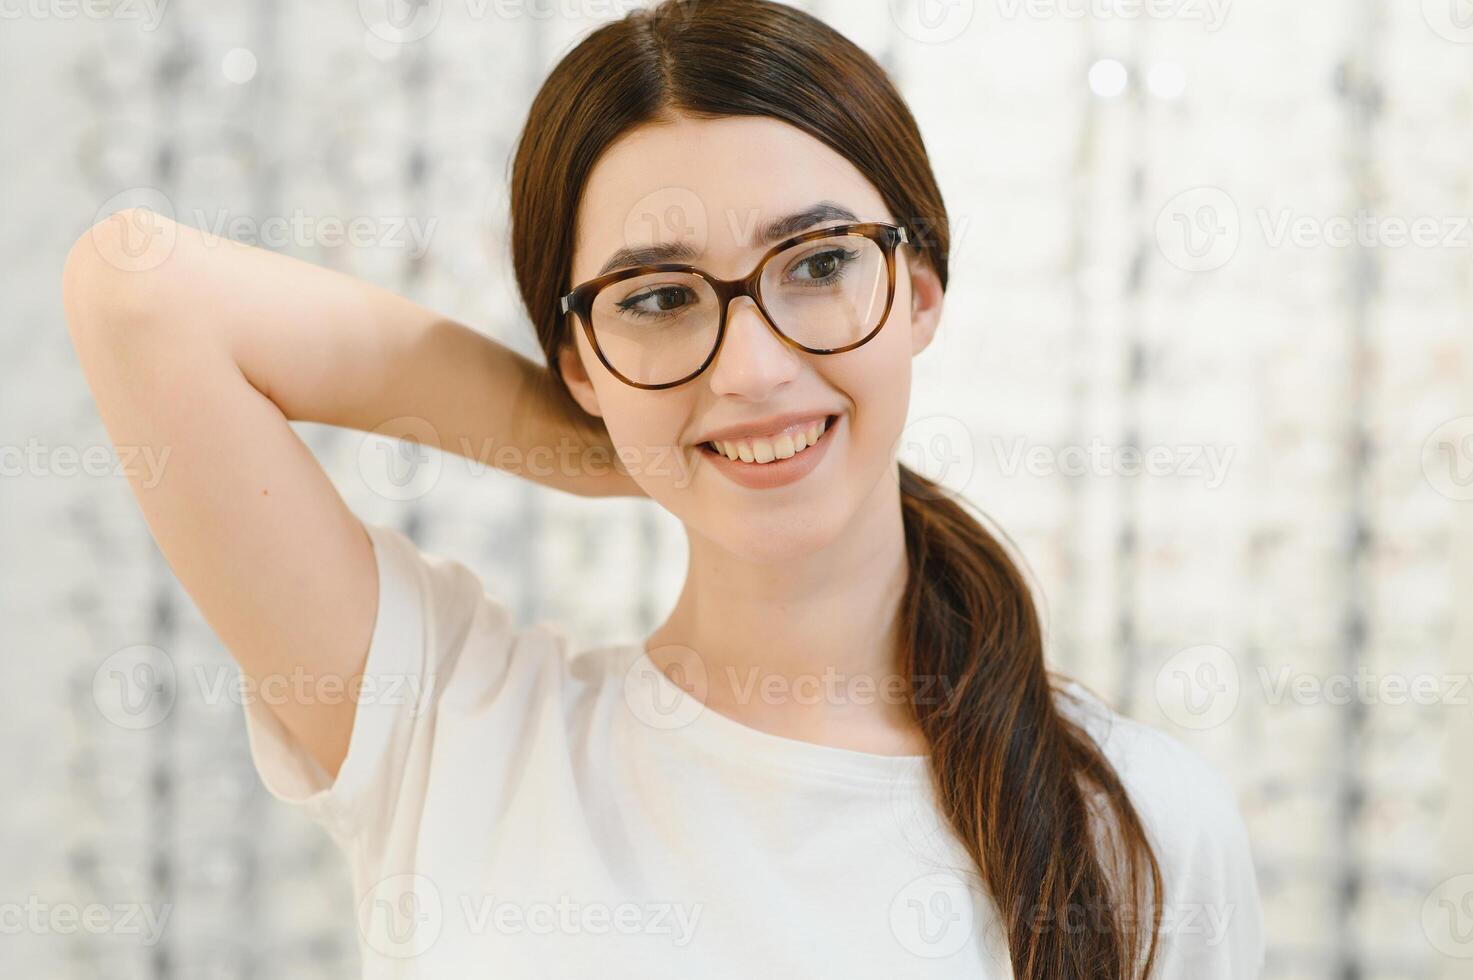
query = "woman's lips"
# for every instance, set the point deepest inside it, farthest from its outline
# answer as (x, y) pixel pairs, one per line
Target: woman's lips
(779, 472)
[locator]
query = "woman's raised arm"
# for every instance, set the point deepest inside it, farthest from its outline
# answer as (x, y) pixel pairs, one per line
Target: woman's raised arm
(202, 350)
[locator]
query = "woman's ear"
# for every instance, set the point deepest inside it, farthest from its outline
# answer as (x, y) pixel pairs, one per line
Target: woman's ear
(575, 376)
(926, 297)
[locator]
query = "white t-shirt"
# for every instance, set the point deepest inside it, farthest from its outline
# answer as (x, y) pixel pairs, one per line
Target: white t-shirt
(511, 810)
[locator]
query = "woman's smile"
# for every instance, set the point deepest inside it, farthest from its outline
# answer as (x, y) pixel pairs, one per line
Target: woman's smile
(762, 463)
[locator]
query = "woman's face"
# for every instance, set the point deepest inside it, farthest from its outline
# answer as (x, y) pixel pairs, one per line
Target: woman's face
(713, 185)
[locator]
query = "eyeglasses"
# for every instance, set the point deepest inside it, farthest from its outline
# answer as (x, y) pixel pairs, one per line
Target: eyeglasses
(825, 291)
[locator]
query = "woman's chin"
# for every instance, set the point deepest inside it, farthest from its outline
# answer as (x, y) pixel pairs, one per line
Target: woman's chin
(772, 538)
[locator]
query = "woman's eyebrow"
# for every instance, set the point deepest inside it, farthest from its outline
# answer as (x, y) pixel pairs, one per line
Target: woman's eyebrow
(774, 231)
(792, 224)
(650, 255)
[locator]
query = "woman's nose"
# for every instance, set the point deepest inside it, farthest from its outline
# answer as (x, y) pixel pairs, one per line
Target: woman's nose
(753, 359)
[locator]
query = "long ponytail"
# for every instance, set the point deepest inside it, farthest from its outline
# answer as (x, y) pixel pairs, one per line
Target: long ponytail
(1011, 770)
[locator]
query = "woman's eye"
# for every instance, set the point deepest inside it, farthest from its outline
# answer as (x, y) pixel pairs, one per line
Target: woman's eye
(822, 266)
(653, 302)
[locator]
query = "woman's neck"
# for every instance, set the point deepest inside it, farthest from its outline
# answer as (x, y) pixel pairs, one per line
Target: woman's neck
(804, 648)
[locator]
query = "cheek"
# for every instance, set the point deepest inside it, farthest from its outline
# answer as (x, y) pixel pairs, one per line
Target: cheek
(645, 429)
(876, 379)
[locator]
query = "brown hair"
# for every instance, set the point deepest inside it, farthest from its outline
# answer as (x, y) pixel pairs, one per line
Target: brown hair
(1056, 841)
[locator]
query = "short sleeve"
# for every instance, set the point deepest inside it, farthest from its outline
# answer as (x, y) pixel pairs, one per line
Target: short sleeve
(1212, 925)
(428, 607)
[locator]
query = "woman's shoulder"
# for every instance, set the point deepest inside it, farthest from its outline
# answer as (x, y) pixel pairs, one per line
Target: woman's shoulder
(462, 631)
(1164, 776)
(1212, 918)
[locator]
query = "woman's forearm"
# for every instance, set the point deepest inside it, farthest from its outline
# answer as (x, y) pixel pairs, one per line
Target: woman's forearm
(326, 347)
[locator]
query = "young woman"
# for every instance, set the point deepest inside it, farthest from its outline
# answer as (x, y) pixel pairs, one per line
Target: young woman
(842, 753)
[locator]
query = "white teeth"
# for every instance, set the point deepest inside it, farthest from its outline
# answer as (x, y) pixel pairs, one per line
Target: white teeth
(761, 451)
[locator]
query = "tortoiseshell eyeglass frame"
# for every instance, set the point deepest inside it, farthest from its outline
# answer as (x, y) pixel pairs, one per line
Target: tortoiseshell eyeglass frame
(887, 236)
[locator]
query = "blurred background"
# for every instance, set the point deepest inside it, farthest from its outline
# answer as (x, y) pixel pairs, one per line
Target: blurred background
(1205, 358)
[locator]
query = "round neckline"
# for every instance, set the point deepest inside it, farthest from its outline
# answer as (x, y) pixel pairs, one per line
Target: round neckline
(766, 748)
